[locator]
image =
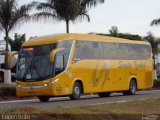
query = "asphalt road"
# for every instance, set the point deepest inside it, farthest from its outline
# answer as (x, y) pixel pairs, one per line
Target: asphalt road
(85, 100)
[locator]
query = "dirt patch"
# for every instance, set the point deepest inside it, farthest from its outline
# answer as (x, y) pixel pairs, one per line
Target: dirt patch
(7, 93)
(88, 117)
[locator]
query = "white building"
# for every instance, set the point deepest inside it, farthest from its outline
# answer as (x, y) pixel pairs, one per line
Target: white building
(4, 74)
(2, 49)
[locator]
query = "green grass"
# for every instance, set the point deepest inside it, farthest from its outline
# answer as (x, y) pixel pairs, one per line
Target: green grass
(118, 111)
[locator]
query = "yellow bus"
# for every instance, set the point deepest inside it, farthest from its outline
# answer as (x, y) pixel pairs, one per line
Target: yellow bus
(76, 64)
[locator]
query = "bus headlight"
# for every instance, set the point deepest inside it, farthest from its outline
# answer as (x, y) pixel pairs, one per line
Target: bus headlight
(45, 85)
(19, 86)
(50, 83)
(54, 81)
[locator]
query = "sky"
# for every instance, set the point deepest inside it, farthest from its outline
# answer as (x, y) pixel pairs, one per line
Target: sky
(130, 16)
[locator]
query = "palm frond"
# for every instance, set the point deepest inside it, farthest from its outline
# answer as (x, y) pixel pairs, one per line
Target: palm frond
(45, 6)
(90, 3)
(83, 15)
(12, 16)
(20, 16)
(1, 29)
(17, 21)
(44, 16)
(67, 10)
(155, 22)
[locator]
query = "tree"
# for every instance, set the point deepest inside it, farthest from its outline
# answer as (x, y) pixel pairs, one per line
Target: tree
(155, 22)
(114, 31)
(12, 16)
(154, 44)
(17, 42)
(65, 10)
(130, 36)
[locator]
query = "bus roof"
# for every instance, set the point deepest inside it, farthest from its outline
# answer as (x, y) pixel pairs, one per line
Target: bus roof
(49, 39)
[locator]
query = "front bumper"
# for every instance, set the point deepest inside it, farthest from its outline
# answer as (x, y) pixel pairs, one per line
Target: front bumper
(46, 91)
(24, 89)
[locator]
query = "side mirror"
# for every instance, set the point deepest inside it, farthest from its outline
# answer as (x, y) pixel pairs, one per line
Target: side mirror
(53, 52)
(12, 59)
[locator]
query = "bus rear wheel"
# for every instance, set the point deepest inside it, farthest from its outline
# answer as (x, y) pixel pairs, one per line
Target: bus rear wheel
(104, 94)
(77, 91)
(43, 98)
(132, 88)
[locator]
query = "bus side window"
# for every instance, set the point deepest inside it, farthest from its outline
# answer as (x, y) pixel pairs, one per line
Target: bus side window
(65, 44)
(82, 50)
(59, 64)
(132, 52)
(96, 50)
(109, 50)
(147, 51)
(122, 51)
(65, 53)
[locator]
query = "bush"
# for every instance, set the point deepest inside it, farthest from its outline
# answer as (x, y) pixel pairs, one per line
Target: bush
(156, 84)
(7, 91)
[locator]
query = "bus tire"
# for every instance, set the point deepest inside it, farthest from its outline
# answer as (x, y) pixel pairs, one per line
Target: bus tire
(132, 88)
(43, 98)
(104, 94)
(77, 91)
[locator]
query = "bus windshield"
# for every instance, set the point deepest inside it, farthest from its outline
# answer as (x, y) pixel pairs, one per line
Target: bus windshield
(34, 63)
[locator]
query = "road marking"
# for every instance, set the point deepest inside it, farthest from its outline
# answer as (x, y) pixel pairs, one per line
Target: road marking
(31, 100)
(86, 96)
(123, 101)
(17, 101)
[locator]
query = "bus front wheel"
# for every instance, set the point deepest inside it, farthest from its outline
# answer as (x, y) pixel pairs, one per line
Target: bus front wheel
(132, 88)
(43, 98)
(77, 91)
(104, 94)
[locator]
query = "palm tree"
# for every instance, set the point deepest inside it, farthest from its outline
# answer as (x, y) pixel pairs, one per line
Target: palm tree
(155, 22)
(12, 16)
(65, 10)
(154, 44)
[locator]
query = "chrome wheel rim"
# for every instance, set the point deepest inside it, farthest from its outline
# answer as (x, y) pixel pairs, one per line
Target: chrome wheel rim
(77, 90)
(133, 87)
